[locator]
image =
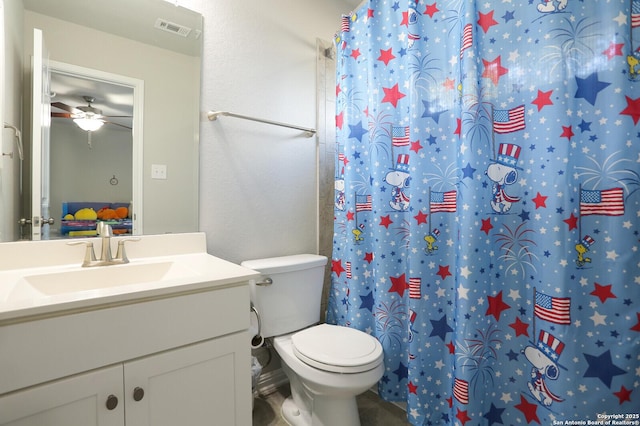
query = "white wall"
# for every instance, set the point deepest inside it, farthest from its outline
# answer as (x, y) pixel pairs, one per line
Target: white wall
(83, 173)
(258, 190)
(11, 89)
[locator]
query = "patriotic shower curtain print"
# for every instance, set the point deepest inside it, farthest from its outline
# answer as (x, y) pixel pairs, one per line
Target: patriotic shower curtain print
(487, 206)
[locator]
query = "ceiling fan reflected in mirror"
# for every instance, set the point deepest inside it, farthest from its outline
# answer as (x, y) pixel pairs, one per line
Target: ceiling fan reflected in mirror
(88, 118)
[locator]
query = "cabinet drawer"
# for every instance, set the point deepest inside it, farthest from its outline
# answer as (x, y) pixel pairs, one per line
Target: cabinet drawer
(38, 351)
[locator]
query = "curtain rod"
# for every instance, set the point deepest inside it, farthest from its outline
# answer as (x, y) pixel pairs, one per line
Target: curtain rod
(213, 115)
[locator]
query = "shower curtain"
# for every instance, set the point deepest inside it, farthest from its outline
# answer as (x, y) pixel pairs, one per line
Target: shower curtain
(486, 206)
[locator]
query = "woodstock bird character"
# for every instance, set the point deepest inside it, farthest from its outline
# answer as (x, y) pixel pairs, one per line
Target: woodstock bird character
(544, 358)
(582, 247)
(503, 172)
(633, 62)
(430, 240)
(399, 178)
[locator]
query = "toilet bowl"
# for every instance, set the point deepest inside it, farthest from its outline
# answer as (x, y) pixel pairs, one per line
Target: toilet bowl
(327, 365)
(326, 372)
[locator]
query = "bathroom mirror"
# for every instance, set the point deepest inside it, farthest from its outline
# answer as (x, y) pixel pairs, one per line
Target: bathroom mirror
(153, 41)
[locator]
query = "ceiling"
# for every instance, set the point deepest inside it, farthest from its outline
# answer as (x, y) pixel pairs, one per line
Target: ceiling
(138, 23)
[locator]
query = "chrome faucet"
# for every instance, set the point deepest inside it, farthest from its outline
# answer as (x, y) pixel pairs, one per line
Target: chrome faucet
(105, 231)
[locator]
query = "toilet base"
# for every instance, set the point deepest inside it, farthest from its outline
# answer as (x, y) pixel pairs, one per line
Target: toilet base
(326, 412)
(292, 415)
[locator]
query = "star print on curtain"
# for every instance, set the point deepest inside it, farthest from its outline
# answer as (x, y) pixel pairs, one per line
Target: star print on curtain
(487, 203)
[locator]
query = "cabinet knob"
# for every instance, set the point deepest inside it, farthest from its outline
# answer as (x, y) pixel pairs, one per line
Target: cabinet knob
(138, 394)
(112, 402)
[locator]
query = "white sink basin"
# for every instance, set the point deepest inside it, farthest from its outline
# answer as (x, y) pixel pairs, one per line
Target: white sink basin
(104, 277)
(44, 278)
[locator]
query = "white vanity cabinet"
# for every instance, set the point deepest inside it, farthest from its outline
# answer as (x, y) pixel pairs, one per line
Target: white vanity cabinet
(166, 336)
(192, 385)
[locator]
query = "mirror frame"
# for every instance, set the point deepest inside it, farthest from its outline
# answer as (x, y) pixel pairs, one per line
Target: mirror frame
(137, 85)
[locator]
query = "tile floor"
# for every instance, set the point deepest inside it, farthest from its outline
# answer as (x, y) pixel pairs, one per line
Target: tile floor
(373, 410)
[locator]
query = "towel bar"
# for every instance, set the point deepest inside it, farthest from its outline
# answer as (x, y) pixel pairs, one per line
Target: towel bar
(213, 115)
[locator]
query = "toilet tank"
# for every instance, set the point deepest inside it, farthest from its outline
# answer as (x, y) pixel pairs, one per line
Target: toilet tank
(292, 301)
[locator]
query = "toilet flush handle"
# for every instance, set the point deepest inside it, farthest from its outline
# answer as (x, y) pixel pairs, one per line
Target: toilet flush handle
(265, 282)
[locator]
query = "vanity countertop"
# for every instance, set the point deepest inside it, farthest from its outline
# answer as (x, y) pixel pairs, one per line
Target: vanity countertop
(44, 278)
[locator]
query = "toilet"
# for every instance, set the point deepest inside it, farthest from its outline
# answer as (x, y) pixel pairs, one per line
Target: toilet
(327, 365)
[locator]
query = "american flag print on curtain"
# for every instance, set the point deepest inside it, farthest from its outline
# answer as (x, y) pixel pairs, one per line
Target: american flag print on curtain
(488, 178)
(508, 120)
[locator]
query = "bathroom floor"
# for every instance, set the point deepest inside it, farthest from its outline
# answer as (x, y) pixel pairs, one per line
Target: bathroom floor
(373, 411)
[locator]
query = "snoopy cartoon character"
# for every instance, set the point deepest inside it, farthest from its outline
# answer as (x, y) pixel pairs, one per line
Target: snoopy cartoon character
(399, 178)
(340, 198)
(413, 29)
(544, 358)
(339, 186)
(552, 5)
(503, 172)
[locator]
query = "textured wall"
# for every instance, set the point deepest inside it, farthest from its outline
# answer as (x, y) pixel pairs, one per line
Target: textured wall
(258, 183)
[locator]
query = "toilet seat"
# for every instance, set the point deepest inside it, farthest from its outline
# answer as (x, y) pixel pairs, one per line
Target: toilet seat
(337, 349)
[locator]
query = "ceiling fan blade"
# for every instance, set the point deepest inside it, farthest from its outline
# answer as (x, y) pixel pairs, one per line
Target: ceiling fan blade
(66, 107)
(117, 124)
(62, 115)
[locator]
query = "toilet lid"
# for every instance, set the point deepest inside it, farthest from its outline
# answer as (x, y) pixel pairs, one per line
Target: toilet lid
(337, 349)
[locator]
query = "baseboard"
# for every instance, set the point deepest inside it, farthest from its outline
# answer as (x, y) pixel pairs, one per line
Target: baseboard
(268, 382)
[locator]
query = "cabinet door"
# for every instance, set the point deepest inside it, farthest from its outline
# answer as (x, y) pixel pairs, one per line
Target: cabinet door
(75, 401)
(207, 383)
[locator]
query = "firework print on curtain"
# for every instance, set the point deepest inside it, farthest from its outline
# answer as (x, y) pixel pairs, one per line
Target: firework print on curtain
(487, 205)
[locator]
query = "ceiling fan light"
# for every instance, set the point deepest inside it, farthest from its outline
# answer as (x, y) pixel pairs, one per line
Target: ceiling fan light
(88, 124)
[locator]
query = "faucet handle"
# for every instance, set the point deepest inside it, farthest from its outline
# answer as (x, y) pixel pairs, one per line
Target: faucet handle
(121, 254)
(89, 254)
